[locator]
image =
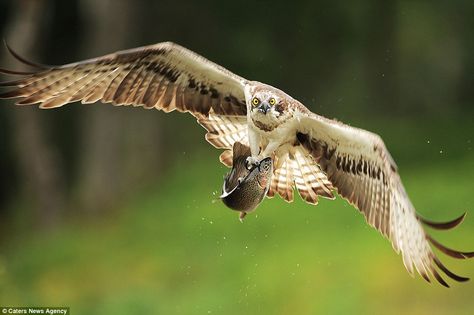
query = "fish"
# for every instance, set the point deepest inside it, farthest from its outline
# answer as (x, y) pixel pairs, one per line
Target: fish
(245, 188)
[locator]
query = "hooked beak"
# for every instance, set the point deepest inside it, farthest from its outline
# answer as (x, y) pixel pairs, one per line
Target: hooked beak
(264, 108)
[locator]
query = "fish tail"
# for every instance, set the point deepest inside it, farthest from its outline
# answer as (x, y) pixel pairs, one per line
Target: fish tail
(240, 150)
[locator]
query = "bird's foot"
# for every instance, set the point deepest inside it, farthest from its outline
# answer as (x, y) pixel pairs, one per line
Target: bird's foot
(252, 161)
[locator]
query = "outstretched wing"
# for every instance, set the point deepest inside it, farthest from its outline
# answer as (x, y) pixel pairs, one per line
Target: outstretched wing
(357, 163)
(164, 76)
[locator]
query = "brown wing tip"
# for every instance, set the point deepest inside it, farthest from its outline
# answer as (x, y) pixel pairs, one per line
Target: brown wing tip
(6, 71)
(226, 158)
(11, 83)
(443, 225)
(448, 272)
(448, 251)
(439, 278)
(10, 94)
(24, 60)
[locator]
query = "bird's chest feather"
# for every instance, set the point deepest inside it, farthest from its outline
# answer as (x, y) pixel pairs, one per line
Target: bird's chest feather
(273, 129)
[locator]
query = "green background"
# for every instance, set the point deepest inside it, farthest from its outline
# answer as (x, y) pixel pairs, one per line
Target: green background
(150, 235)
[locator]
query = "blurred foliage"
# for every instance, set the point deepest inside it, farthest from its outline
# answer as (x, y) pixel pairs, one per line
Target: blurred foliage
(161, 242)
(174, 249)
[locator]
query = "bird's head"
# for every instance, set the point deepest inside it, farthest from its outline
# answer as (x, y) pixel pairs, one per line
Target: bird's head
(265, 102)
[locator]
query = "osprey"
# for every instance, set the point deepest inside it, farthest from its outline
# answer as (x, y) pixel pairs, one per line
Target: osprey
(313, 154)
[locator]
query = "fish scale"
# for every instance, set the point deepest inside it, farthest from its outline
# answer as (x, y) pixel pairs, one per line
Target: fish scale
(244, 189)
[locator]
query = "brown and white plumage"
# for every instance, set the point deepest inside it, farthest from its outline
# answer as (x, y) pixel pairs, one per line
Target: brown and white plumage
(163, 76)
(315, 155)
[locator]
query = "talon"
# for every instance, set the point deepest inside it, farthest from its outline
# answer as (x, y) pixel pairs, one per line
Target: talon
(242, 216)
(252, 161)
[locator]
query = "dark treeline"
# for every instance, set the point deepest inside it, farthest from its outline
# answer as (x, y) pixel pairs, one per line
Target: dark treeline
(357, 61)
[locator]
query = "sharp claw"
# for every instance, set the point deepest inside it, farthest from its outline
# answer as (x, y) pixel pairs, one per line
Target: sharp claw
(251, 161)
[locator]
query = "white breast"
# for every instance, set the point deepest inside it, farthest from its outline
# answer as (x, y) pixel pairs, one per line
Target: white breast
(285, 132)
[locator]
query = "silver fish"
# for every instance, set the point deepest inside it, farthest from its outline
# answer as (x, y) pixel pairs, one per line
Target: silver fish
(244, 189)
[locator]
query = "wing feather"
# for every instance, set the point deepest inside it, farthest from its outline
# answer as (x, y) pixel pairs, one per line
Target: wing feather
(223, 131)
(360, 167)
(165, 76)
(283, 179)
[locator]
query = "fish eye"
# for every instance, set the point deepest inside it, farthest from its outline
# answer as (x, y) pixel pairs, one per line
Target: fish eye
(255, 101)
(272, 101)
(266, 166)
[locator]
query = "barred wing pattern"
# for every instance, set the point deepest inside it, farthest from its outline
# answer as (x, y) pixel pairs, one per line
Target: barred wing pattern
(223, 132)
(299, 171)
(360, 167)
(295, 170)
(164, 76)
(327, 155)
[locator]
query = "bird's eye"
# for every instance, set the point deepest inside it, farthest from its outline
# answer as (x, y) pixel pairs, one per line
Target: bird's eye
(255, 101)
(272, 101)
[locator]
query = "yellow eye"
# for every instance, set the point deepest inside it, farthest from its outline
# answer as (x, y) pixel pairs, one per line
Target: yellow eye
(255, 101)
(272, 101)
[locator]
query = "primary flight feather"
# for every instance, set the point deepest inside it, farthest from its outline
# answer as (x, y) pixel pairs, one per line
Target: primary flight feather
(315, 155)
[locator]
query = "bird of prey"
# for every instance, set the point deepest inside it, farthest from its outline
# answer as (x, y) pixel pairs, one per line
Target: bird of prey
(313, 154)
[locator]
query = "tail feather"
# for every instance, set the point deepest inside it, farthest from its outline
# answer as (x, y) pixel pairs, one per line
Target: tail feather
(310, 180)
(283, 180)
(239, 150)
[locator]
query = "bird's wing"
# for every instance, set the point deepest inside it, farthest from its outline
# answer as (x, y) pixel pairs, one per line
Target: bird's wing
(223, 131)
(296, 169)
(164, 76)
(358, 165)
